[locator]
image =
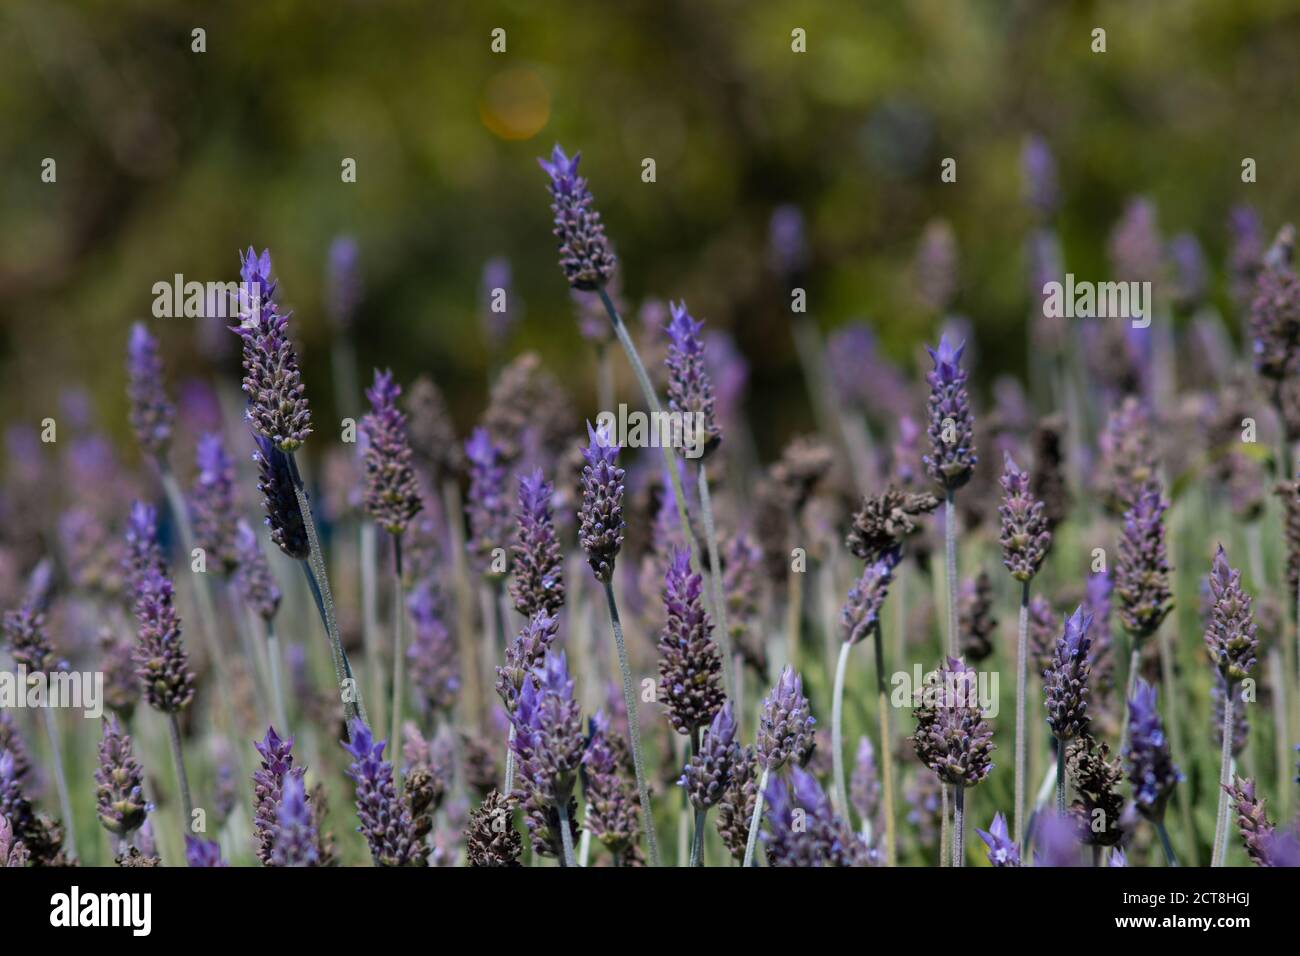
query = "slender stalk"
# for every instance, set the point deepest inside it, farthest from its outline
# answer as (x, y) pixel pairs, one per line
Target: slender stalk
(1225, 761)
(1165, 844)
(1134, 662)
(950, 565)
(178, 759)
(1277, 675)
(369, 566)
(715, 578)
(633, 727)
(566, 835)
(510, 760)
(959, 826)
(277, 684)
(837, 733)
(584, 848)
(399, 651)
(1182, 797)
(1022, 670)
(353, 706)
(604, 378)
(754, 820)
(454, 515)
(652, 399)
(61, 781)
(697, 839)
(945, 819)
(886, 751)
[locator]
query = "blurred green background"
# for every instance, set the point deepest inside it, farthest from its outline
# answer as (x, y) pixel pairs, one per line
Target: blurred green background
(169, 161)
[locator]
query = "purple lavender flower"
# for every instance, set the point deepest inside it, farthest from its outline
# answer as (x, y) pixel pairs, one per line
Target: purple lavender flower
(952, 737)
(161, 662)
(212, 503)
(385, 818)
(24, 633)
(277, 403)
(787, 242)
(951, 426)
(1245, 252)
(253, 575)
(600, 519)
(201, 853)
(119, 780)
(1056, 840)
(268, 787)
(1065, 682)
(1002, 849)
(864, 783)
(709, 770)
(1190, 272)
(524, 654)
(548, 729)
(142, 549)
(342, 280)
(152, 415)
(613, 811)
(690, 391)
(934, 268)
(690, 666)
(392, 493)
(1252, 820)
(1096, 601)
(295, 837)
(1136, 252)
(785, 724)
(1150, 768)
(815, 837)
(1025, 536)
(1230, 632)
(487, 508)
(1039, 170)
(1275, 309)
(431, 658)
(861, 613)
(538, 584)
(283, 515)
(585, 255)
(1142, 571)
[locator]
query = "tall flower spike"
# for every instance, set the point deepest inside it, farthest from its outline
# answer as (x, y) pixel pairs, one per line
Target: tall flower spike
(951, 426)
(1142, 571)
(385, 819)
(952, 737)
(548, 729)
(690, 390)
(24, 633)
(160, 659)
(152, 415)
(585, 255)
(268, 789)
(142, 549)
(486, 506)
(392, 493)
(1002, 849)
(119, 780)
(283, 516)
(1252, 820)
(1066, 680)
(277, 401)
(295, 837)
(525, 654)
(1025, 536)
(538, 584)
(785, 724)
(815, 837)
(709, 770)
(212, 503)
(600, 519)
(253, 575)
(736, 808)
(1230, 632)
(861, 612)
(431, 430)
(1148, 763)
(690, 666)
(1275, 309)
(613, 812)
(887, 520)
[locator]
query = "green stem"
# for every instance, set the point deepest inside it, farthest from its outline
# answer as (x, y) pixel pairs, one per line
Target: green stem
(837, 733)
(566, 835)
(754, 820)
(399, 652)
(950, 565)
(959, 827)
(886, 751)
(178, 759)
(1022, 670)
(369, 566)
(715, 578)
(1225, 761)
(277, 685)
(60, 780)
(697, 840)
(633, 727)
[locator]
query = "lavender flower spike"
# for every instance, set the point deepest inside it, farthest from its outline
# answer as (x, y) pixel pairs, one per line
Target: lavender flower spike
(785, 733)
(600, 519)
(1230, 636)
(268, 789)
(690, 390)
(487, 508)
(709, 770)
(253, 576)
(585, 255)
(538, 583)
(1025, 536)
(690, 666)
(295, 836)
(952, 737)
(1150, 767)
(951, 426)
(283, 515)
(612, 810)
(1002, 849)
(1142, 570)
(1066, 680)
(119, 783)
(152, 415)
(202, 853)
(861, 612)
(212, 503)
(24, 633)
(161, 662)
(392, 493)
(277, 403)
(385, 818)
